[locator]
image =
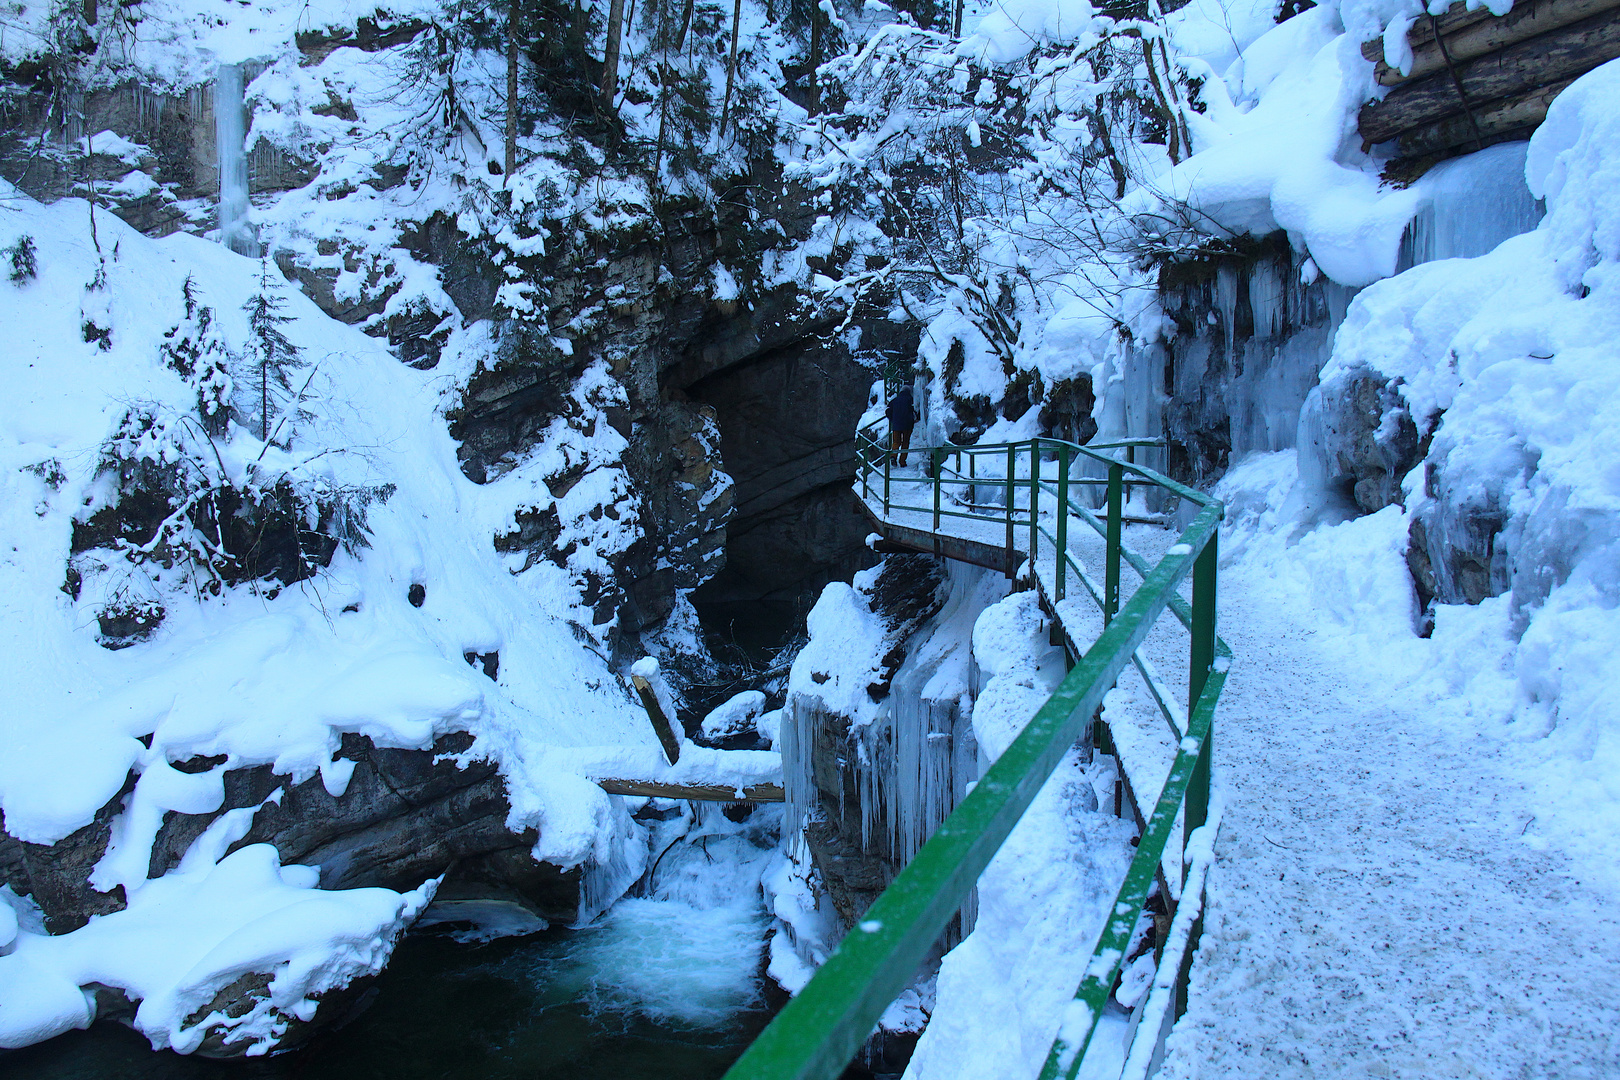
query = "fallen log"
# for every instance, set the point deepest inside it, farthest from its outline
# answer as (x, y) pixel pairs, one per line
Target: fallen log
(659, 789)
(1484, 37)
(1542, 60)
(1497, 121)
(1455, 18)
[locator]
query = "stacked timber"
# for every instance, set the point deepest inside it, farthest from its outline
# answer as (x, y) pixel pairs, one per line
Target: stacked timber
(1477, 79)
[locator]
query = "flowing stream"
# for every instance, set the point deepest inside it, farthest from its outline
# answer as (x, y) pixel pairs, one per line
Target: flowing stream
(665, 987)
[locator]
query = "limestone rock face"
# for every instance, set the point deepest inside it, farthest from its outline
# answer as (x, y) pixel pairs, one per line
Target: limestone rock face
(1250, 337)
(165, 185)
(787, 416)
(1455, 547)
(403, 819)
(1364, 438)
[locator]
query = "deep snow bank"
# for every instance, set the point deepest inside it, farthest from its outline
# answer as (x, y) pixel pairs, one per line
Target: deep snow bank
(1508, 361)
(232, 671)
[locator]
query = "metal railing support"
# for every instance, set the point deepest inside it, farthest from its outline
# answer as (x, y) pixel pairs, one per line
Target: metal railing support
(866, 472)
(1116, 514)
(1012, 466)
(1034, 499)
(1130, 459)
(1062, 517)
(888, 457)
(936, 468)
(1202, 659)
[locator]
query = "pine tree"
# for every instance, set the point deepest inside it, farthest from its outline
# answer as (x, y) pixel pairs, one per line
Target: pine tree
(271, 358)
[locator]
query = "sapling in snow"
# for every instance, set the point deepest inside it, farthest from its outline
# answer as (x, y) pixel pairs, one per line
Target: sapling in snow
(24, 261)
(271, 360)
(194, 350)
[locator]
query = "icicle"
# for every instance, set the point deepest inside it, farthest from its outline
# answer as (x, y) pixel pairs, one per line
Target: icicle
(1471, 205)
(919, 757)
(230, 119)
(797, 740)
(603, 881)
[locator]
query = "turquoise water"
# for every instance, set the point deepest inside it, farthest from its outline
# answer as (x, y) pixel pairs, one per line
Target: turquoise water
(659, 989)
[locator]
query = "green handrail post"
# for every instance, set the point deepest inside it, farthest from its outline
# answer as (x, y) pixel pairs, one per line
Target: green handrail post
(1062, 516)
(1116, 483)
(1202, 659)
(1130, 457)
(1034, 498)
(887, 459)
(936, 463)
(1195, 811)
(866, 472)
(1012, 468)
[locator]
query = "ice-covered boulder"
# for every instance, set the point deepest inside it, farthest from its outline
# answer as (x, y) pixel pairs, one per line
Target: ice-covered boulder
(736, 716)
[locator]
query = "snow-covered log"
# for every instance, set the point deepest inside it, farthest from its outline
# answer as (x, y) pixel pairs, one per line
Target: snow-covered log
(1540, 61)
(1480, 35)
(1513, 117)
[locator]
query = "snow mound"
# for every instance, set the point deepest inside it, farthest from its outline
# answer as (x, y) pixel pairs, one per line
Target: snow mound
(1510, 359)
(209, 924)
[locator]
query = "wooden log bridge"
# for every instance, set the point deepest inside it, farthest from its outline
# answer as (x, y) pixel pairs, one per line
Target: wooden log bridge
(1478, 79)
(646, 680)
(661, 789)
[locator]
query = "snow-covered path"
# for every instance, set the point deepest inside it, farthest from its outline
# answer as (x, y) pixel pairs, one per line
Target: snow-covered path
(1374, 910)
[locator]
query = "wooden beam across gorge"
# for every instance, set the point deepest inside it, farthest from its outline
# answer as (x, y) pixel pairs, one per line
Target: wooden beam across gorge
(660, 789)
(1502, 74)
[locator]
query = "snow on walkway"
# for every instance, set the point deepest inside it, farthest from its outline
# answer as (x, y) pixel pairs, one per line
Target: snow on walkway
(1381, 906)
(1386, 900)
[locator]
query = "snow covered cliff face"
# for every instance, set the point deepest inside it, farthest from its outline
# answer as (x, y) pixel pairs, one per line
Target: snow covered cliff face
(1506, 362)
(878, 735)
(206, 658)
(339, 551)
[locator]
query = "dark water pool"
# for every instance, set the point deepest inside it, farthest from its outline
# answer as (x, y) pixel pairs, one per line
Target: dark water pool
(607, 1003)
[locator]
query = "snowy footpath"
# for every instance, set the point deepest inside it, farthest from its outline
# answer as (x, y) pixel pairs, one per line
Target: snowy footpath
(1386, 902)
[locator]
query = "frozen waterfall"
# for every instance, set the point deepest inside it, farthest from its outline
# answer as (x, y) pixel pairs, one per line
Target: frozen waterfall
(1470, 205)
(230, 141)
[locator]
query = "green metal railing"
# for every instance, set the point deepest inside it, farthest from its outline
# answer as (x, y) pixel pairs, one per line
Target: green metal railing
(822, 1028)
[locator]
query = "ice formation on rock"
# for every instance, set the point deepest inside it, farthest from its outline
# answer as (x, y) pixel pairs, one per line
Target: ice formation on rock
(230, 135)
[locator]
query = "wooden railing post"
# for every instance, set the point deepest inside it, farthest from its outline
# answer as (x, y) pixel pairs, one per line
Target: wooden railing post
(1116, 478)
(1062, 516)
(1034, 499)
(1012, 467)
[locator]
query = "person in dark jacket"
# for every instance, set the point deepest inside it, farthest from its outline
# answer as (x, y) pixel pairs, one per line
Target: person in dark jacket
(902, 414)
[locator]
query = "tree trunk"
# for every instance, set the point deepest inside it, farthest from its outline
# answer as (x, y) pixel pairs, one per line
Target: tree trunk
(815, 57)
(1540, 61)
(663, 100)
(610, 55)
(686, 25)
(1476, 39)
(731, 65)
(1172, 126)
(511, 88)
(956, 21)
